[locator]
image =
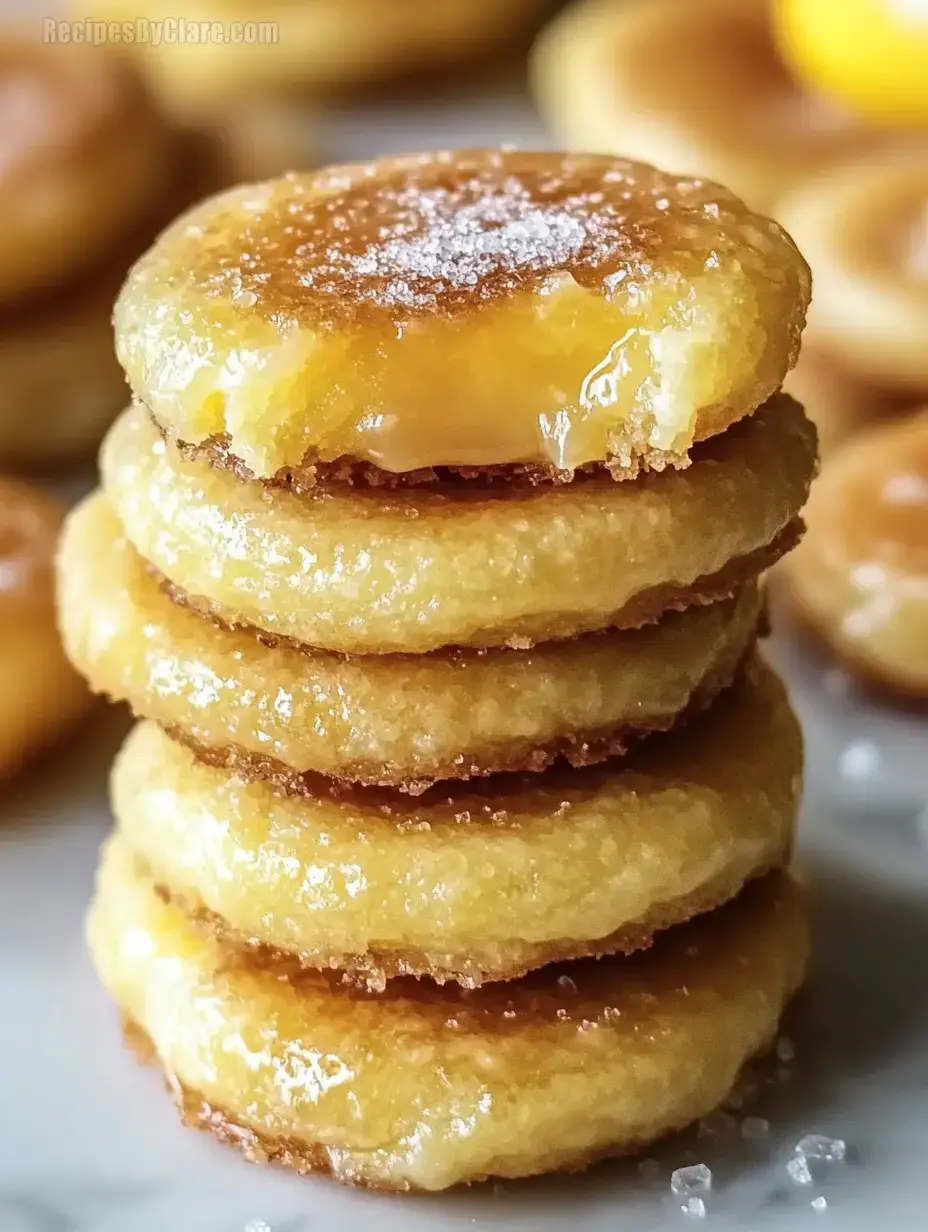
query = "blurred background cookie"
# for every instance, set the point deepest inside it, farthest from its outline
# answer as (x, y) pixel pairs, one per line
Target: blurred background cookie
(698, 88)
(863, 227)
(860, 576)
(315, 45)
(257, 86)
(90, 170)
(42, 694)
(83, 155)
(837, 401)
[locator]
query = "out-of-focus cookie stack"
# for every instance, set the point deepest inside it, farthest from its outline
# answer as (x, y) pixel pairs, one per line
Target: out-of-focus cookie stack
(449, 479)
(91, 170)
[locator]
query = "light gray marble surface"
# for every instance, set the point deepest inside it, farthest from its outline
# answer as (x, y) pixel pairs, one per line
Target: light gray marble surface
(89, 1141)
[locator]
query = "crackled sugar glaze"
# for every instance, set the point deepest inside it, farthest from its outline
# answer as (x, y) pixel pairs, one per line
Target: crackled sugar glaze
(464, 308)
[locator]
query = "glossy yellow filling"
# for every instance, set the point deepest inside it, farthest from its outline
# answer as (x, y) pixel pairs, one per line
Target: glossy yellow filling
(409, 570)
(484, 881)
(397, 718)
(475, 308)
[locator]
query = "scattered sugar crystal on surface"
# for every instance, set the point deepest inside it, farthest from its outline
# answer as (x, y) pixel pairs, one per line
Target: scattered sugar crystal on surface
(798, 1171)
(819, 1204)
(754, 1128)
(820, 1146)
(694, 1208)
(860, 760)
(566, 984)
(257, 1225)
(460, 243)
(650, 1169)
(694, 1179)
(786, 1049)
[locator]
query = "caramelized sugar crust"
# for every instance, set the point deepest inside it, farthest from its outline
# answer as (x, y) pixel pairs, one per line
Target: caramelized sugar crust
(425, 1087)
(474, 882)
(409, 570)
(861, 576)
(390, 719)
(864, 227)
(82, 154)
(43, 693)
(464, 308)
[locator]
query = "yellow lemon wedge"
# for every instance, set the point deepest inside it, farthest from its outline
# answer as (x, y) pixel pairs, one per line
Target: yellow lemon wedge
(868, 55)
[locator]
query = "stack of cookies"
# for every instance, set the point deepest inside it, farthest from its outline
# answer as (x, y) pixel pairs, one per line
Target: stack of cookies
(430, 553)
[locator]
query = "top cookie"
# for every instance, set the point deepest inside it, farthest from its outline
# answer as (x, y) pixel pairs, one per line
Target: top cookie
(464, 308)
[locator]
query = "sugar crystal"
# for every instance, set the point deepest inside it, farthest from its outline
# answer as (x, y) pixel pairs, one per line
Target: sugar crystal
(819, 1204)
(819, 1146)
(798, 1171)
(692, 1180)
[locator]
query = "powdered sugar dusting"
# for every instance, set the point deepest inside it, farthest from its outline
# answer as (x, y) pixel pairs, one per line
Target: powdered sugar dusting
(459, 245)
(454, 239)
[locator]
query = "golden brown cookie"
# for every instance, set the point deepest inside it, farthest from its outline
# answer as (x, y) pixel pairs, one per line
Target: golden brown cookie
(314, 46)
(464, 308)
(375, 570)
(402, 720)
(550, 1072)
(863, 225)
(473, 882)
